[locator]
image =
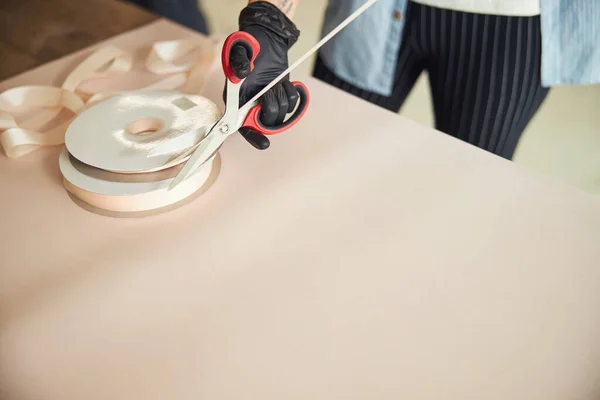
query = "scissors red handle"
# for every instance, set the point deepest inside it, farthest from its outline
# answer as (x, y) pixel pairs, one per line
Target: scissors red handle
(253, 122)
(252, 119)
(238, 38)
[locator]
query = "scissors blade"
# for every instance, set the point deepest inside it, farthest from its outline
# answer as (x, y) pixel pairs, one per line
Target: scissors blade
(204, 151)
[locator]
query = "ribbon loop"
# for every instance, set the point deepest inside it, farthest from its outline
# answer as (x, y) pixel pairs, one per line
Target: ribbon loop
(162, 56)
(18, 141)
(115, 60)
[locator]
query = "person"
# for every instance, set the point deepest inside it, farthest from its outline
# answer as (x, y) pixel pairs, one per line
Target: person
(184, 12)
(491, 63)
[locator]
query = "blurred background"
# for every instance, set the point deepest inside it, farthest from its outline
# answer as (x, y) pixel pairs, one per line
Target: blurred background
(562, 141)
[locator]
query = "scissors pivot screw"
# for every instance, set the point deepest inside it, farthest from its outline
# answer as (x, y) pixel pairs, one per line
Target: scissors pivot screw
(224, 128)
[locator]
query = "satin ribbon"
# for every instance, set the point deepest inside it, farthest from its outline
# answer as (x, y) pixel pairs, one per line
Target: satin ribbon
(105, 61)
(18, 141)
(127, 195)
(163, 56)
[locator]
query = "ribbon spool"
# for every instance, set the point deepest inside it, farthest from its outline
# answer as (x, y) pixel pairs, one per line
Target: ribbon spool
(105, 166)
(117, 133)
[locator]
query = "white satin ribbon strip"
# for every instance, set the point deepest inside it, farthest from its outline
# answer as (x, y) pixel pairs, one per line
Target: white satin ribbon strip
(18, 141)
(171, 82)
(115, 61)
(130, 193)
(163, 56)
(107, 60)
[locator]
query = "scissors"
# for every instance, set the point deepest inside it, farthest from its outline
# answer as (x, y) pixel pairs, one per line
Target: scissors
(234, 117)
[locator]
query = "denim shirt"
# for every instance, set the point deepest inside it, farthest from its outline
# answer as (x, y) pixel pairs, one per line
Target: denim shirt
(365, 52)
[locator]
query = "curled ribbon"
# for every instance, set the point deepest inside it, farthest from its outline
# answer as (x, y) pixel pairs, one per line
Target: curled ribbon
(163, 56)
(107, 60)
(90, 68)
(18, 141)
(117, 61)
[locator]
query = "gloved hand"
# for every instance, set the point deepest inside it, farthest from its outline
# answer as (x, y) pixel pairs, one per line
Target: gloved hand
(276, 34)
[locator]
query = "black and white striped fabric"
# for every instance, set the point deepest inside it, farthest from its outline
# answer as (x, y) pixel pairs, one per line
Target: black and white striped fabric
(484, 72)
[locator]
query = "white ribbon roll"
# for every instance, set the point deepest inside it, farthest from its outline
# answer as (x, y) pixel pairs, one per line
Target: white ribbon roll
(116, 134)
(115, 194)
(105, 164)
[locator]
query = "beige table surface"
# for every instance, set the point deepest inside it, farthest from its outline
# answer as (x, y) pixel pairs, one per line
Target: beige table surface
(361, 257)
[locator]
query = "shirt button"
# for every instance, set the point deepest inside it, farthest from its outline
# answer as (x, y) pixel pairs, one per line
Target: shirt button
(398, 15)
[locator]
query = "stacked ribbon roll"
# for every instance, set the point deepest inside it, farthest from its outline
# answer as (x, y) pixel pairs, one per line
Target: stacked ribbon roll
(105, 162)
(107, 133)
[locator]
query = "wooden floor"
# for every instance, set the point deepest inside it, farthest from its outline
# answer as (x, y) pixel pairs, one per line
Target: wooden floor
(33, 32)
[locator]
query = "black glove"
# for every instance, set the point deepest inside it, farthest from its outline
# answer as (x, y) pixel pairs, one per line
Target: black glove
(276, 34)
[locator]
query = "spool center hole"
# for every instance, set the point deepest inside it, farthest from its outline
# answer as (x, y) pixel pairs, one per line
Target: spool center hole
(145, 126)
